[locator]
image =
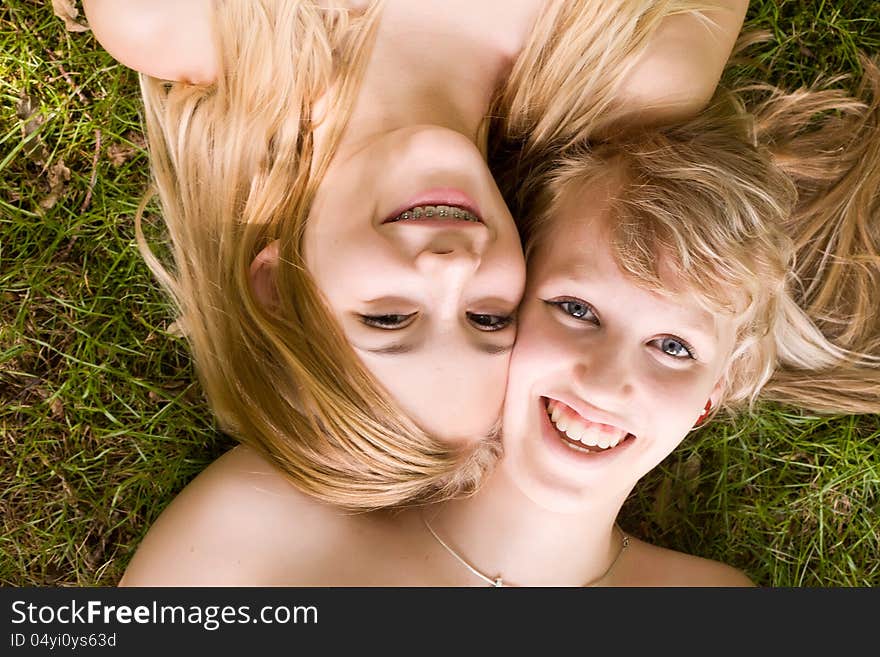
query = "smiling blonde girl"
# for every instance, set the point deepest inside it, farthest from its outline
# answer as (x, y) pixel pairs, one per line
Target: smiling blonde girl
(672, 274)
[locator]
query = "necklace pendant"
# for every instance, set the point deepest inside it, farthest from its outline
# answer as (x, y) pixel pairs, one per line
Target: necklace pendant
(498, 583)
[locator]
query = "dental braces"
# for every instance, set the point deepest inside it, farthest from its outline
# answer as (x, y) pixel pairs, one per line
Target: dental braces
(429, 211)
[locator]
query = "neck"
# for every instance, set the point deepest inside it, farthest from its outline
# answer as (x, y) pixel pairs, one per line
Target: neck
(428, 66)
(501, 531)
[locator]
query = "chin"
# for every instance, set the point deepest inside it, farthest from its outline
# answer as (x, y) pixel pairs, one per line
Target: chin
(438, 145)
(544, 486)
(562, 480)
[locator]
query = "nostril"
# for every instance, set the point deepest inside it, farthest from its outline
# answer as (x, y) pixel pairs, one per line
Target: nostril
(442, 252)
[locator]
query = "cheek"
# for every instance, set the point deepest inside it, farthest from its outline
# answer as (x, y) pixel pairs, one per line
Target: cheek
(539, 351)
(509, 276)
(511, 263)
(452, 397)
(541, 358)
(670, 403)
(353, 265)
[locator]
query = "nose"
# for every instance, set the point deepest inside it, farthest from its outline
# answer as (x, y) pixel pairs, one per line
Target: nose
(602, 375)
(447, 261)
(449, 253)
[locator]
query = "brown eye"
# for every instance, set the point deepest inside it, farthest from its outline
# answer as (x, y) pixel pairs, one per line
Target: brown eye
(490, 322)
(389, 322)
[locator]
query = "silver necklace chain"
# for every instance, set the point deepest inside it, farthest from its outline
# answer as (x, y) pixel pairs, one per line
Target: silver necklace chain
(499, 582)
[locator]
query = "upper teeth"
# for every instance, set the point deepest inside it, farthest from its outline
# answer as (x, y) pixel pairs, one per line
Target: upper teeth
(577, 428)
(429, 211)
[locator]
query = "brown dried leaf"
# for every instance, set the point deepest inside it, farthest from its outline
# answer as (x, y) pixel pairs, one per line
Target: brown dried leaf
(65, 10)
(49, 201)
(33, 124)
(57, 408)
(58, 176)
(137, 138)
(27, 110)
(119, 153)
(26, 106)
(37, 152)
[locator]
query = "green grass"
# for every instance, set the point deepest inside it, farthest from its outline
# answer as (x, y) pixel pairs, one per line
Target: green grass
(101, 419)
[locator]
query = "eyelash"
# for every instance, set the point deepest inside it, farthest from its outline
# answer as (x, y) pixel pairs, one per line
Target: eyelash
(503, 321)
(394, 322)
(561, 303)
(689, 349)
(388, 322)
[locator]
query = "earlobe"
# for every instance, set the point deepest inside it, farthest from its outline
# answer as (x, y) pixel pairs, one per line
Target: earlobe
(718, 392)
(711, 402)
(262, 275)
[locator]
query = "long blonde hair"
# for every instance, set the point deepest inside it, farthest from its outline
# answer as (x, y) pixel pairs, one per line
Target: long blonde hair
(234, 167)
(766, 207)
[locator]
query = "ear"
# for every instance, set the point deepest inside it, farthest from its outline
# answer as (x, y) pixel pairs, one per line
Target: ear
(717, 392)
(262, 275)
(714, 398)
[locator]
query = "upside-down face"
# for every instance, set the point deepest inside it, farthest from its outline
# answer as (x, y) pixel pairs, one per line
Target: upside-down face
(419, 260)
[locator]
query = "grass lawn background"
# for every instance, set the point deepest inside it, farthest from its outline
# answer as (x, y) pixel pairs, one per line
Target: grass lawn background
(102, 422)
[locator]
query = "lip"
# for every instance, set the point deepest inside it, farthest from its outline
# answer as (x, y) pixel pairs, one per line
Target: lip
(440, 196)
(590, 413)
(551, 438)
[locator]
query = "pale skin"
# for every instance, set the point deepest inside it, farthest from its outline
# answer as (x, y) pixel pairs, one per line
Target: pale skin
(241, 522)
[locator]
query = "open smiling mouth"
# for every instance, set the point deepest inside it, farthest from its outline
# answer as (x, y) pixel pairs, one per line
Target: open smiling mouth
(583, 435)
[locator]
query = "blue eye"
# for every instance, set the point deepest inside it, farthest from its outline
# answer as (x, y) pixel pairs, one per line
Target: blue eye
(387, 322)
(676, 348)
(490, 322)
(575, 308)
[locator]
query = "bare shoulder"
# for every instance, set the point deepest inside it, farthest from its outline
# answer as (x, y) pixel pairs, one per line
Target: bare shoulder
(678, 73)
(165, 39)
(650, 565)
(237, 523)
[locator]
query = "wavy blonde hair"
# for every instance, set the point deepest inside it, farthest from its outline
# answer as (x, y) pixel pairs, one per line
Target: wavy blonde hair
(766, 207)
(566, 85)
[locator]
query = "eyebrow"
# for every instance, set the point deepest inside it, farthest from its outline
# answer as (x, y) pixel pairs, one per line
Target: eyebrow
(405, 348)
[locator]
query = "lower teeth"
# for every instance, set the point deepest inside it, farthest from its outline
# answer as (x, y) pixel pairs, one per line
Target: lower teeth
(578, 449)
